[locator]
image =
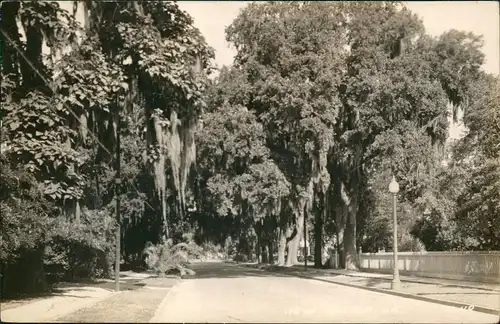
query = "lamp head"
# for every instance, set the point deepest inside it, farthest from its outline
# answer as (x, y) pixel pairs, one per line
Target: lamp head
(394, 186)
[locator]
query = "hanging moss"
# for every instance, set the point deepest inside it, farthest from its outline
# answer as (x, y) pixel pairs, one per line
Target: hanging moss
(175, 143)
(188, 158)
(174, 149)
(159, 167)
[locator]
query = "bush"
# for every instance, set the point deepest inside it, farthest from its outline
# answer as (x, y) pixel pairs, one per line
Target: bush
(230, 247)
(169, 258)
(38, 245)
(84, 250)
(27, 224)
(212, 251)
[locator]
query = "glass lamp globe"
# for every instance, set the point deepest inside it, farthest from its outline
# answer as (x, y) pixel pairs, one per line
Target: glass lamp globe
(394, 186)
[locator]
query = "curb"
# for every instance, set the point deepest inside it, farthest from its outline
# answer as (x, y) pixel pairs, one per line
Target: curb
(480, 309)
(423, 281)
(176, 279)
(164, 302)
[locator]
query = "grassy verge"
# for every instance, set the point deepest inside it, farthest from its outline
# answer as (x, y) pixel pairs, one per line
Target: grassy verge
(129, 306)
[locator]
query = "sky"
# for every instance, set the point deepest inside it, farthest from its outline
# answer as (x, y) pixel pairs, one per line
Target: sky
(479, 17)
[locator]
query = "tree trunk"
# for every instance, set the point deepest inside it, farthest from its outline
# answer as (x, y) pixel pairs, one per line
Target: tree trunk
(318, 235)
(163, 202)
(293, 249)
(293, 243)
(258, 247)
(340, 227)
(282, 247)
(39, 283)
(270, 251)
(265, 253)
(351, 259)
(250, 251)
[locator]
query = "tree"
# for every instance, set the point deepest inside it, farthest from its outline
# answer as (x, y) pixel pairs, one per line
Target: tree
(160, 53)
(336, 100)
(290, 68)
(236, 177)
(143, 60)
(478, 154)
(396, 86)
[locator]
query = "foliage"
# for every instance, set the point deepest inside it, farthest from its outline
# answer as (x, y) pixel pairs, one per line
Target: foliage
(211, 251)
(323, 104)
(464, 211)
(130, 63)
(167, 257)
(479, 154)
(40, 140)
(84, 250)
(37, 241)
(376, 100)
(234, 165)
(27, 218)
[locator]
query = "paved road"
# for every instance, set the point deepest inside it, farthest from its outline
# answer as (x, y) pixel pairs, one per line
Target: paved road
(232, 294)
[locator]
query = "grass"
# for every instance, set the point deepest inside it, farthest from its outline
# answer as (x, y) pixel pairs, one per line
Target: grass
(131, 306)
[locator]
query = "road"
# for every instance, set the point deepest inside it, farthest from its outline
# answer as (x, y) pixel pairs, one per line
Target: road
(234, 294)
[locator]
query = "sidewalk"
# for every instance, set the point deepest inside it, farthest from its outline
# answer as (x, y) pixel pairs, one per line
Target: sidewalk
(474, 296)
(415, 279)
(66, 301)
(138, 298)
(132, 306)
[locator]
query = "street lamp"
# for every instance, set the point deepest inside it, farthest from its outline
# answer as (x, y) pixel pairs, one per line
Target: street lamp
(394, 189)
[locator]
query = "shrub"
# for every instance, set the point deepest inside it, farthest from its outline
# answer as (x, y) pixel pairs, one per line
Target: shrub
(212, 251)
(169, 258)
(27, 224)
(84, 250)
(38, 245)
(230, 247)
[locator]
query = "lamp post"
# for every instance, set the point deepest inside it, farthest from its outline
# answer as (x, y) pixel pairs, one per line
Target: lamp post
(394, 189)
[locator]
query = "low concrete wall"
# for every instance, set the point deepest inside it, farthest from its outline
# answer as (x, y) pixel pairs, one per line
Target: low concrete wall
(468, 266)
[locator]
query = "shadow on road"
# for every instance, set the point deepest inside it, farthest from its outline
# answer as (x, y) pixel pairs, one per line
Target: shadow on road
(230, 270)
